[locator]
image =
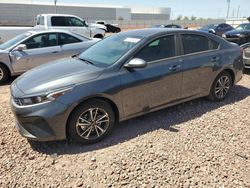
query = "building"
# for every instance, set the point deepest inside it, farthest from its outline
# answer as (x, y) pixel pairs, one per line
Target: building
(14, 12)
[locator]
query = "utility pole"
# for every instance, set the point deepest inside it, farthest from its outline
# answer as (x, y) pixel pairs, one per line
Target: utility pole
(228, 7)
(55, 1)
(238, 11)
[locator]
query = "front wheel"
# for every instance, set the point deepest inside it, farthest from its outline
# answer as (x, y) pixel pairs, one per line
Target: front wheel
(91, 122)
(221, 87)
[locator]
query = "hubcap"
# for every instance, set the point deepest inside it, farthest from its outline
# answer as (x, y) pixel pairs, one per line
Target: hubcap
(92, 123)
(222, 87)
(1, 74)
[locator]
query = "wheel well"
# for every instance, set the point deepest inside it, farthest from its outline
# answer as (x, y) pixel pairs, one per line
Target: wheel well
(231, 73)
(112, 104)
(100, 36)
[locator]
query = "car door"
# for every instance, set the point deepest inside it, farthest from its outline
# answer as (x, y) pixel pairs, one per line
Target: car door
(40, 49)
(158, 83)
(200, 58)
(71, 45)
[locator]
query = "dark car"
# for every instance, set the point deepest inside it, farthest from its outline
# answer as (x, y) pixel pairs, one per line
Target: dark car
(110, 28)
(123, 76)
(167, 26)
(239, 35)
(217, 29)
(246, 54)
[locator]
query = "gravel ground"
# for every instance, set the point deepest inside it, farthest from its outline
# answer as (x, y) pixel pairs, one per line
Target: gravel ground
(195, 144)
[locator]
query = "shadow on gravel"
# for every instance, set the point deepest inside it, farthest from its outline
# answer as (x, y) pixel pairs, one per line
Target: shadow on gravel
(9, 81)
(163, 119)
(247, 71)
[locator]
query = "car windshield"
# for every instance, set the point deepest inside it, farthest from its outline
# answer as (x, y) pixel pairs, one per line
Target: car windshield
(109, 50)
(243, 27)
(207, 27)
(13, 41)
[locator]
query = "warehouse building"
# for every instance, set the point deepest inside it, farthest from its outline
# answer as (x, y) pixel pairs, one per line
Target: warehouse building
(14, 12)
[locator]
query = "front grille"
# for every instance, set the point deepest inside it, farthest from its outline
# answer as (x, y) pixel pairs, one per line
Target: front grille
(247, 52)
(232, 36)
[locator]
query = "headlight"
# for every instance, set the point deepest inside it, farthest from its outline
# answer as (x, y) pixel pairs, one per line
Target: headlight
(27, 101)
(224, 36)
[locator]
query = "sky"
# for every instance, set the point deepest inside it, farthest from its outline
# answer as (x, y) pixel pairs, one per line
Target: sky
(198, 8)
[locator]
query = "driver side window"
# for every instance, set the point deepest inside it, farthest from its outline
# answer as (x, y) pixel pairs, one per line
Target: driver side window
(158, 49)
(41, 41)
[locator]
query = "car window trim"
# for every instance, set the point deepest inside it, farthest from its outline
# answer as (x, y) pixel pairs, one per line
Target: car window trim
(196, 53)
(35, 35)
(162, 59)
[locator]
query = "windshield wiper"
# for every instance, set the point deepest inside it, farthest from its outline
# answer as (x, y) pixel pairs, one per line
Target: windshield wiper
(86, 61)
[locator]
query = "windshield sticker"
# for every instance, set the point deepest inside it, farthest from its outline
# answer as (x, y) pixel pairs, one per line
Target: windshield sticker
(133, 40)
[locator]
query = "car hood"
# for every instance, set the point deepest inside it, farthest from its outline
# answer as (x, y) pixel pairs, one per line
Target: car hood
(234, 32)
(56, 75)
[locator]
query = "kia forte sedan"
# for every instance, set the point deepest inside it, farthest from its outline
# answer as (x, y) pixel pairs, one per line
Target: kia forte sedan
(34, 48)
(121, 77)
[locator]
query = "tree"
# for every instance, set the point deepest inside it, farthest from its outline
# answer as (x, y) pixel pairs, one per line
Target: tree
(248, 18)
(186, 18)
(179, 17)
(193, 17)
(120, 18)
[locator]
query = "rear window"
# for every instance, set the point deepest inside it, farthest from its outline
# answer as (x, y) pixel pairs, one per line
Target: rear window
(40, 20)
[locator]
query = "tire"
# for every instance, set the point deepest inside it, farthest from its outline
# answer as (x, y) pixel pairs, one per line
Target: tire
(4, 73)
(221, 87)
(86, 130)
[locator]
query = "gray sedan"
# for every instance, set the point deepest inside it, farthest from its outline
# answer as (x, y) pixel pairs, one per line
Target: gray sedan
(34, 48)
(121, 77)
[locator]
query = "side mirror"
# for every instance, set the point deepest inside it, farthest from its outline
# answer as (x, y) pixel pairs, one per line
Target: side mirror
(21, 47)
(212, 31)
(136, 63)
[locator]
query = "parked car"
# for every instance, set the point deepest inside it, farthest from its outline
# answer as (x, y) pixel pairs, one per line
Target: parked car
(167, 26)
(217, 29)
(121, 77)
(56, 21)
(112, 28)
(34, 48)
(239, 35)
(246, 54)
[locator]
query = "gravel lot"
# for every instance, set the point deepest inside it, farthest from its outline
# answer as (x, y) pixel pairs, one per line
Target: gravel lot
(196, 144)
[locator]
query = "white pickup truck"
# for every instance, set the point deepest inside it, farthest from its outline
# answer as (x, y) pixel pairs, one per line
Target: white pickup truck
(56, 21)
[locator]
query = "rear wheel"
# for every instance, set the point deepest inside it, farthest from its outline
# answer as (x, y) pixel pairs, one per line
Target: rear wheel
(4, 73)
(91, 122)
(221, 87)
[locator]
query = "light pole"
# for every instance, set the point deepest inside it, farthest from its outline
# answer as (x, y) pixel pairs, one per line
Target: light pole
(55, 1)
(228, 7)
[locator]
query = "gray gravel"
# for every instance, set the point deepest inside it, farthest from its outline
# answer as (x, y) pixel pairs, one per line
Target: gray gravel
(196, 144)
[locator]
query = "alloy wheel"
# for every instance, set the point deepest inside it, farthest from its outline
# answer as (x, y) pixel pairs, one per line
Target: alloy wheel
(222, 86)
(1, 74)
(92, 123)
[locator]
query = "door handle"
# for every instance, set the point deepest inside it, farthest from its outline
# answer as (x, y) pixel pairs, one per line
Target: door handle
(54, 52)
(174, 67)
(215, 59)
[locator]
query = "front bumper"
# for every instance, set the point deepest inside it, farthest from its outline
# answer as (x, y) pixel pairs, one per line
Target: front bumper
(43, 122)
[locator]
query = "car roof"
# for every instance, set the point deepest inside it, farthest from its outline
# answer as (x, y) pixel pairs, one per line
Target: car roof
(151, 32)
(34, 32)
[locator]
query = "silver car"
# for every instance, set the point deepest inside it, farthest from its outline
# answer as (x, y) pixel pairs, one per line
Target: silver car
(34, 48)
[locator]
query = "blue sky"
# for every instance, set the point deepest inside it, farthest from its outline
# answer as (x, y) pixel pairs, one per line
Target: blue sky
(198, 8)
